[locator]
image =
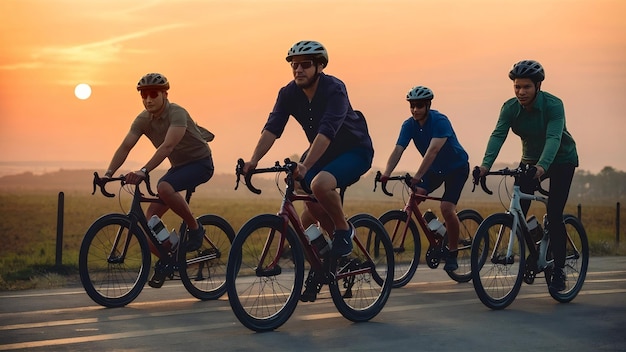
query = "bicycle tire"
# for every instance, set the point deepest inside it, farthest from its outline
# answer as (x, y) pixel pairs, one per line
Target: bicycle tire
(264, 301)
(469, 220)
(203, 272)
(406, 250)
(362, 296)
(496, 280)
(576, 260)
(113, 281)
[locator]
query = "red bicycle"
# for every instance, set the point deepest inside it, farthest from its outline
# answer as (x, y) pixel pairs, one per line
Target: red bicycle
(265, 270)
(404, 234)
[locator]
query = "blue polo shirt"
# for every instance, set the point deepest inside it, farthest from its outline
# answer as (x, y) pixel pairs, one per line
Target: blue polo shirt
(328, 113)
(450, 157)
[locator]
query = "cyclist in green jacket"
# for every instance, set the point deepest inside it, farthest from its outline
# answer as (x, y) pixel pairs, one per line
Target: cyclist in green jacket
(538, 117)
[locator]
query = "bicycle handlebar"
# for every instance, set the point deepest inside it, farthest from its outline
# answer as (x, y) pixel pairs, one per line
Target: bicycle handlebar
(529, 172)
(383, 185)
(101, 182)
(288, 168)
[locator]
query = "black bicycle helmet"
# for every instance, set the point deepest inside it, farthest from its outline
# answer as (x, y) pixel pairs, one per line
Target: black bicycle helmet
(153, 81)
(420, 93)
(309, 47)
(528, 69)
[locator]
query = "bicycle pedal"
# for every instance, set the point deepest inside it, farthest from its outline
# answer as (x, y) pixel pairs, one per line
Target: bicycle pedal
(309, 295)
(157, 280)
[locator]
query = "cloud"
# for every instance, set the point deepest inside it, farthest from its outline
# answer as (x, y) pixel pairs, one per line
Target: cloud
(95, 53)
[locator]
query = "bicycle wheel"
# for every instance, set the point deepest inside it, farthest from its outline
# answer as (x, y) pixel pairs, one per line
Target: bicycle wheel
(406, 246)
(576, 260)
(364, 279)
(114, 261)
(203, 272)
(264, 288)
(469, 221)
(497, 278)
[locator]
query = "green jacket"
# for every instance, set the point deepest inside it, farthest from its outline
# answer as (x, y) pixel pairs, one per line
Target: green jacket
(545, 139)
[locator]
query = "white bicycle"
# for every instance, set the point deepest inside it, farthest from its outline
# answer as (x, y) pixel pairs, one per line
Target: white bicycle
(499, 261)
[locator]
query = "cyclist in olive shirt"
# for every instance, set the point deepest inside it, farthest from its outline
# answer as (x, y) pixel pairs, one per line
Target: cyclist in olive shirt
(538, 118)
(176, 137)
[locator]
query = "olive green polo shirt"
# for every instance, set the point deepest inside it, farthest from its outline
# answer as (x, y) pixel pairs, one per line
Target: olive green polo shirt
(545, 139)
(191, 147)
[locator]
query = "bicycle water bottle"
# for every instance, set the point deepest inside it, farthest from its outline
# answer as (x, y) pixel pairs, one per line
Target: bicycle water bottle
(433, 223)
(159, 231)
(317, 239)
(536, 232)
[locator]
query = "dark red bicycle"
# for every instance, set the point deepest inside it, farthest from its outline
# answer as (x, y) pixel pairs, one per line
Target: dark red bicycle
(270, 253)
(402, 229)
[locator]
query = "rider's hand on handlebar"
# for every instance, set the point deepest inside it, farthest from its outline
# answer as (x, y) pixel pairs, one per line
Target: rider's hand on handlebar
(384, 178)
(300, 171)
(249, 165)
(135, 177)
(483, 171)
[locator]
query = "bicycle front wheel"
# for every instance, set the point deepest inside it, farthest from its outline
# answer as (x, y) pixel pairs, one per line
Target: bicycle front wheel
(407, 248)
(364, 278)
(469, 220)
(203, 272)
(576, 260)
(265, 273)
(496, 274)
(114, 261)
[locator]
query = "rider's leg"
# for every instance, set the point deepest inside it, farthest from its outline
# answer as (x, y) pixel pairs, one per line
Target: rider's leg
(560, 181)
(448, 211)
(324, 189)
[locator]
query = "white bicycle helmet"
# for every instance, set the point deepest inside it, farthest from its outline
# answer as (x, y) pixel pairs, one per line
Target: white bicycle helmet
(420, 93)
(309, 47)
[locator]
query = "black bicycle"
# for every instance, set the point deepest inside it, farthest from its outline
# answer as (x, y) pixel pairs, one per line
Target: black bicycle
(115, 259)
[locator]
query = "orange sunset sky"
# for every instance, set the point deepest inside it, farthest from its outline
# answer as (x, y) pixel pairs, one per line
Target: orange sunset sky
(225, 62)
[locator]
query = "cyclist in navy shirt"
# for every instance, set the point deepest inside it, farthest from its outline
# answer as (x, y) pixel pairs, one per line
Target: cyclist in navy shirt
(340, 148)
(444, 160)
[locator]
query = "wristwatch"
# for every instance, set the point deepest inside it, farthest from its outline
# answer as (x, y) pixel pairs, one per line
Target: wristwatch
(144, 170)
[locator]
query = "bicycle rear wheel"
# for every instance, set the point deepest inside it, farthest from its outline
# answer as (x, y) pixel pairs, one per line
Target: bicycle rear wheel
(365, 277)
(406, 248)
(497, 278)
(469, 220)
(265, 273)
(114, 261)
(203, 272)
(576, 260)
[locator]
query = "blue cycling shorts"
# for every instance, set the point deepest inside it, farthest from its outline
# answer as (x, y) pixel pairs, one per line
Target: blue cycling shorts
(347, 168)
(454, 182)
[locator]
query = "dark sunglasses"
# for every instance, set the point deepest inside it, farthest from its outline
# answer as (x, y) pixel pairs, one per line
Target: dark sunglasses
(418, 104)
(303, 64)
(149, 93)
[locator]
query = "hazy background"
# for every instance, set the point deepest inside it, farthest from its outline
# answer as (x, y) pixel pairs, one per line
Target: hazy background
(225, 62)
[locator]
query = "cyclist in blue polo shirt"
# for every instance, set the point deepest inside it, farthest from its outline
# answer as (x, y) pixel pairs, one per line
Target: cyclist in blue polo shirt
(444, 160)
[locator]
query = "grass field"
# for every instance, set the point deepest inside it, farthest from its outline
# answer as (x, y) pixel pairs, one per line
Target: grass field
(28, 226)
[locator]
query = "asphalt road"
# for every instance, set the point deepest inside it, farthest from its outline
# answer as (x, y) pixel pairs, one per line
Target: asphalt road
(432, 313)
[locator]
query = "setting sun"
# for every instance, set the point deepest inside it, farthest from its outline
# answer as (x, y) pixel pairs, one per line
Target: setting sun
(82, 91)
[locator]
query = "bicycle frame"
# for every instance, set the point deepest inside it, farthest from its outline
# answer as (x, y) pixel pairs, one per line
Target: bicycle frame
(411, 208)
(137, 217)
(290, 217)
(520, 224)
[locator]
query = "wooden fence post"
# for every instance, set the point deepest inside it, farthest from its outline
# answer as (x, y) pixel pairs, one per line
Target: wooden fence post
(59, 246)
